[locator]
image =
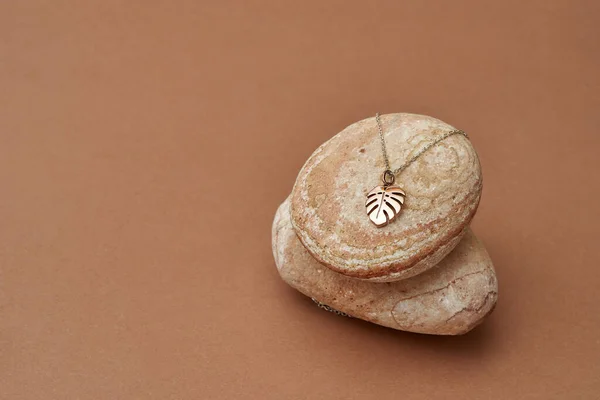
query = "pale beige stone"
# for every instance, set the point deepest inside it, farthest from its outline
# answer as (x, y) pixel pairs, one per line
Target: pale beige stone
(449, 299)
(443, 189)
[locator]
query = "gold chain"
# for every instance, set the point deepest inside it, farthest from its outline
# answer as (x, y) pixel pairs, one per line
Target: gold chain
(388, 168)
(330, 309)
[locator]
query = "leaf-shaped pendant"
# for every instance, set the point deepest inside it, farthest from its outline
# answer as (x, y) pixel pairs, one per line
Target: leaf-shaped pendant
(384, 203)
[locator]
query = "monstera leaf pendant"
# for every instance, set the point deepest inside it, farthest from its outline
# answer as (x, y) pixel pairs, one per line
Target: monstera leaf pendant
(384, 202)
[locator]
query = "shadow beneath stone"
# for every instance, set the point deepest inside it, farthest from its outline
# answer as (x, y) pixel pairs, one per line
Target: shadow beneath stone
(479, 342)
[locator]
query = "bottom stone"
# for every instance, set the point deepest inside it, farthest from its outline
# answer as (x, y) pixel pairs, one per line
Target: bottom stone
(449, 299)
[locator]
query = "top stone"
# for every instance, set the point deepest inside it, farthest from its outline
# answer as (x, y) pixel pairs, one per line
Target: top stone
(443, 188)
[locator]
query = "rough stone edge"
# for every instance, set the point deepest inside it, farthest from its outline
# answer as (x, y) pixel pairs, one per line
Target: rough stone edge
(489, 302)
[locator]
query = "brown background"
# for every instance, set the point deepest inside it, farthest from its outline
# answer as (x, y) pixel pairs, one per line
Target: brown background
(144, 148)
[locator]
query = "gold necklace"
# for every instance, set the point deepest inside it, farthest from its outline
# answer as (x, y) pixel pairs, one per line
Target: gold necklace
(385, 201)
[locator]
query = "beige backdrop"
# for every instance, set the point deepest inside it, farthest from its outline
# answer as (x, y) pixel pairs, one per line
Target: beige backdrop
(144, 148)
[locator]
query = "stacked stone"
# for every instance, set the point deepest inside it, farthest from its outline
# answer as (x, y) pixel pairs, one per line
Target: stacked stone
(426, 271)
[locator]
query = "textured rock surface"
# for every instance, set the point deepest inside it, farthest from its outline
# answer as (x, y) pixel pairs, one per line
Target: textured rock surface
(449, 299)
(443, 188)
